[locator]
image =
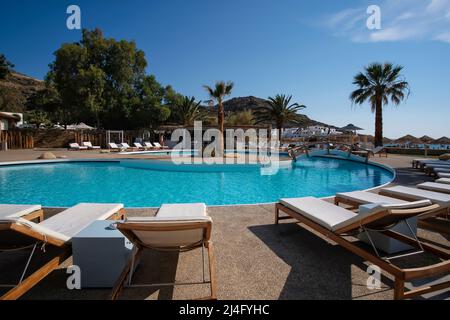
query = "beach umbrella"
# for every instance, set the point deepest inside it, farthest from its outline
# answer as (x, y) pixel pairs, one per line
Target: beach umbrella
(408, 139)
(350, 128)
(442, 140)
(426, 139)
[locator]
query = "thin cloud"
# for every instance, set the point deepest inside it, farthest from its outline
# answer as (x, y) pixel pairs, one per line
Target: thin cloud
(400, 20)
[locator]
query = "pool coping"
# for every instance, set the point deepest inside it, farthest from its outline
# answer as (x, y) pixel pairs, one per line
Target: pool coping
(45, 161)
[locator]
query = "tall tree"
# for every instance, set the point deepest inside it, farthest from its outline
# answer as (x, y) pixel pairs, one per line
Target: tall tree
(279, 110)
(379, 84)
(5, 67)
(103, 81)
(92, 85)
(218, 93)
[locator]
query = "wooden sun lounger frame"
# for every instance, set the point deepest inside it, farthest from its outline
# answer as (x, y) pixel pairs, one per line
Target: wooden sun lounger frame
(34, 278)
(127, 230)
(400, 275)
(35, 215)
(426, 220)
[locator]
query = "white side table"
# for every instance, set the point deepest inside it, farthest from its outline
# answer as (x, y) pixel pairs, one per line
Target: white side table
(387, 244)
(101, 252)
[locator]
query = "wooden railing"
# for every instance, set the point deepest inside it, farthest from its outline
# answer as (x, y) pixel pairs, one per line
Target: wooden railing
(17, 139)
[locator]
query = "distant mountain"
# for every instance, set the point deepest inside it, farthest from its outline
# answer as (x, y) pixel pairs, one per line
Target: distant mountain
(252, 103)
(15, 91)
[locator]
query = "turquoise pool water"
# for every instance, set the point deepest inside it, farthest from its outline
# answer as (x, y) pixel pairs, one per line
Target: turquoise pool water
(132, 183)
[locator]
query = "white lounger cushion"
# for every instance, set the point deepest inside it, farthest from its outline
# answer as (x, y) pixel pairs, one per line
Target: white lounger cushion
(164, 239)
(138, 145)
(382, 207)
(89, 145)
(173, 214)
(365, 197)
(443, 175)
(322, 212)
(334, 217)
(17, 210)
(433, 186)
(38, 228)
(182, 210)
(443, 180)
(418, 194)
(71, 221)
(441, 169)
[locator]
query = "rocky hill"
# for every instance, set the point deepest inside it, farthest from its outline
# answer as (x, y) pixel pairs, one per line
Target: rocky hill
(251, 103)
(15, 91)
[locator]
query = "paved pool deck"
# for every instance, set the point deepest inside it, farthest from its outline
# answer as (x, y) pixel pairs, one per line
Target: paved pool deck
(255, 258)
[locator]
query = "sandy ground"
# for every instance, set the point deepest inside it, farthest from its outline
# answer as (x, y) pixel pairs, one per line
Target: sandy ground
(255, 258)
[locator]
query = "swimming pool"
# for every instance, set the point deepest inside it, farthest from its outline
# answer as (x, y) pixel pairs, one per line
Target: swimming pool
(147, 183)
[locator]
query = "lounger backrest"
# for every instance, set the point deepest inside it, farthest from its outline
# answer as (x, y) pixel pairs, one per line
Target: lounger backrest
(148, 144)
(156, 144)
(87, 144)
(167, 233)
(125, 145)
(385, 215)
(112, 145)
(74, 145)
(137, 145)
(34, 230)
(17, 210)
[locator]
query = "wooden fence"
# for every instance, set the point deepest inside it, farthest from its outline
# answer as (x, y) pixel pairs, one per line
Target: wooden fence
(17, 139)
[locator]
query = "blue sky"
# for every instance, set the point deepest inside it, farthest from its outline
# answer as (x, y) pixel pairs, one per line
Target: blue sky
(310, 49)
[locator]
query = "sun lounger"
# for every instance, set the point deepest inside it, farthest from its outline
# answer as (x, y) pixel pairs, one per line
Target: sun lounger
(443, 175)
(89, 145)
(336, 223)
(413, 194)
(139, 146)
(29, 212)
(159, 146)
(176, 227)
(378, 150)
(76, 147)
(419, 163)
(443, 180)
(433, 186)
(114, 146)
(434, 171)
(148, 145)
(125, 146)
(55, 232)
(357, 198)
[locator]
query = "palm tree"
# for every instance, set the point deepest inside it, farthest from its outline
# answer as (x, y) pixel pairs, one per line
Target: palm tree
(279, 110)
(218, 93)
(379, 84)
(188, 111)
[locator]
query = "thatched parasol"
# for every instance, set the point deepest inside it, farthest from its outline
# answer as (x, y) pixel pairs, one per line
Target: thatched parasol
(442, 140)
(426, 139)
(408, 139)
